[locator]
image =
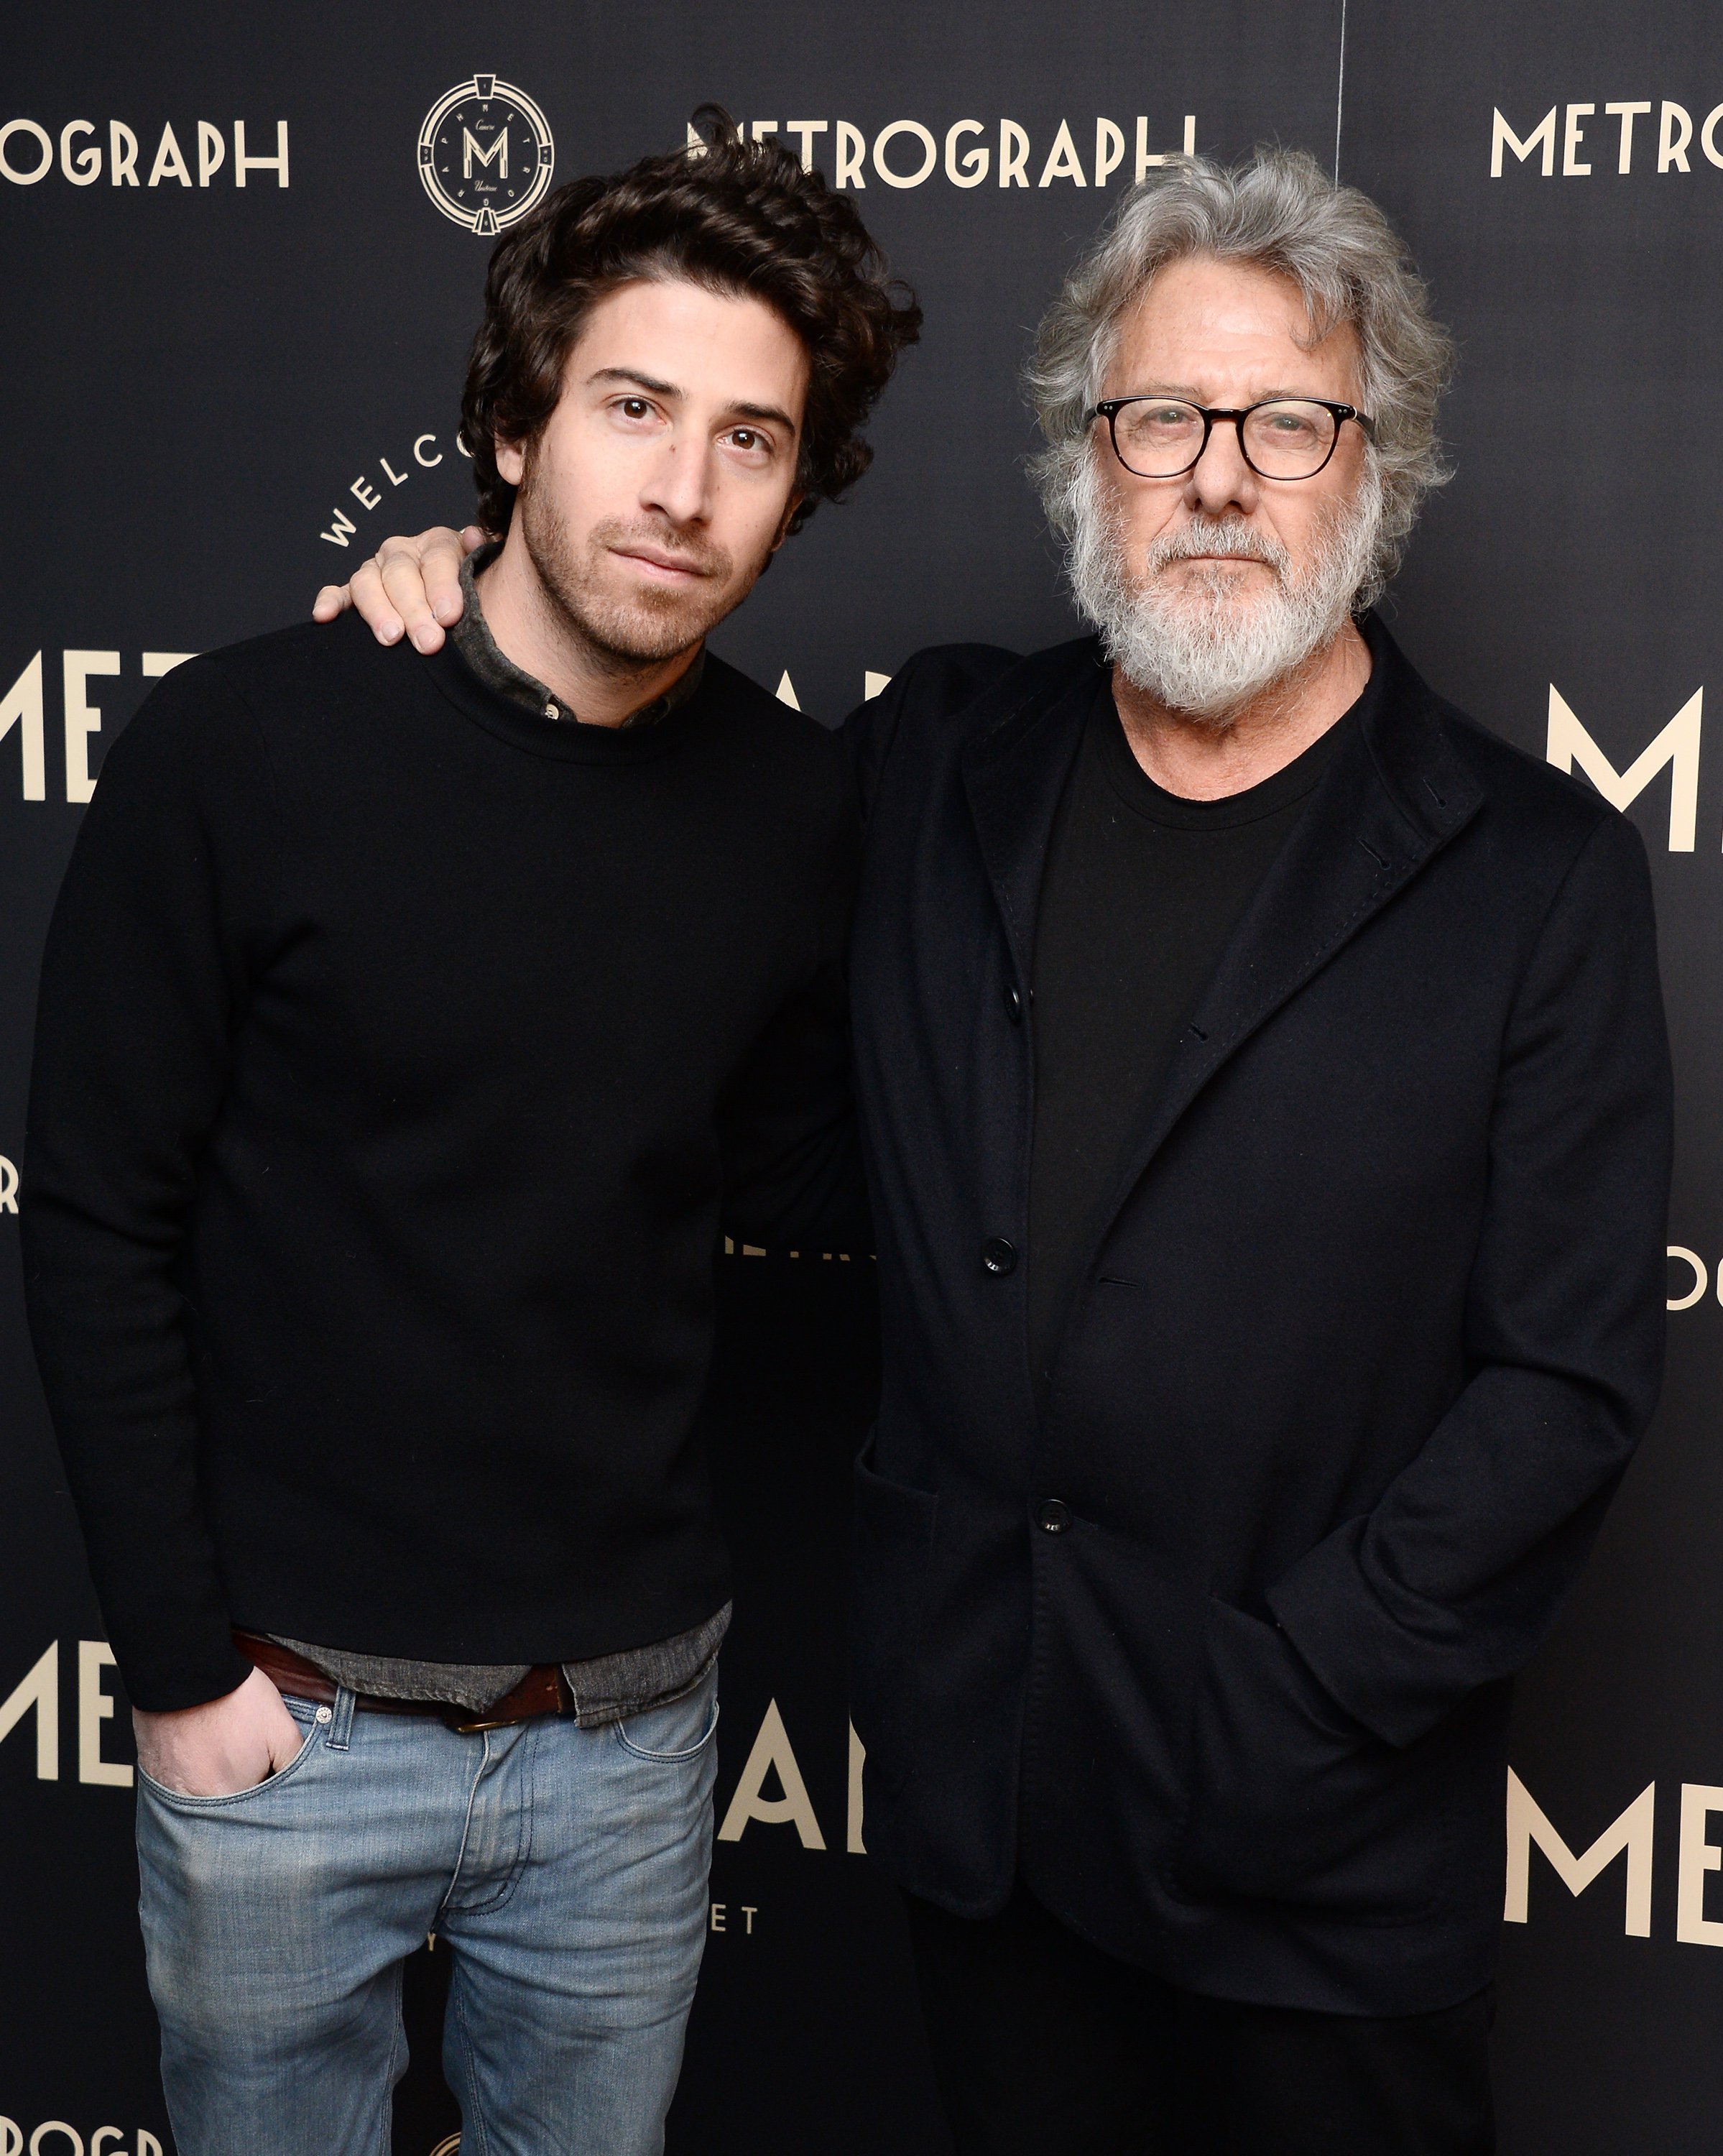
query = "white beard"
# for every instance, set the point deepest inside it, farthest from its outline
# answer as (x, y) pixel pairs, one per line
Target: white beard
(1209, 647)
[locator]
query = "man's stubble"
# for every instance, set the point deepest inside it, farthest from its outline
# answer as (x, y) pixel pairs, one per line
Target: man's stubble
(648, 627)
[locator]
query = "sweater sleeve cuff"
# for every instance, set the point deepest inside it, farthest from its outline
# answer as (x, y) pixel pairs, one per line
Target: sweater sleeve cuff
(1384, 1674)
(165, 1681)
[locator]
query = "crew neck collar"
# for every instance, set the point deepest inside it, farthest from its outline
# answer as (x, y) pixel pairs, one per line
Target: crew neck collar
(1148, 798)
(563, 740)
(472, 637)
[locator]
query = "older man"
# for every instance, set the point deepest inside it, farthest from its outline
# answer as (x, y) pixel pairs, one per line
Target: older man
(1265, 1088)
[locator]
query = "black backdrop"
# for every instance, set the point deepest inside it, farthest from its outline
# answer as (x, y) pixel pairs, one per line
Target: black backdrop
(204, 377)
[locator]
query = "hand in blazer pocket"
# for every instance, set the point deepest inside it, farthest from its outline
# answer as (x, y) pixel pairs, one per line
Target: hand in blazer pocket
(1292, 1799)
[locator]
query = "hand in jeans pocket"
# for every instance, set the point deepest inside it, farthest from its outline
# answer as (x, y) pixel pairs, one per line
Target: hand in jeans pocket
(221, 1748)
(1291, 1798)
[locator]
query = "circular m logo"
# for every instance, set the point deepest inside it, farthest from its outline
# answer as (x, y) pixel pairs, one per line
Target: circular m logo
(485, 154)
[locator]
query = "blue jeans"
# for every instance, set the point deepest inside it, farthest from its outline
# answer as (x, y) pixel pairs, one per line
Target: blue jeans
(564, 1869)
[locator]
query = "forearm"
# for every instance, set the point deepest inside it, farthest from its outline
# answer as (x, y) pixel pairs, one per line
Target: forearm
(109, 1333)
(144, 969)
(1457, 1573)
(1455, 1579)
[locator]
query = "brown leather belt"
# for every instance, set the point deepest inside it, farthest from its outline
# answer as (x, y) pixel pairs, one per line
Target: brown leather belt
(544, 1690)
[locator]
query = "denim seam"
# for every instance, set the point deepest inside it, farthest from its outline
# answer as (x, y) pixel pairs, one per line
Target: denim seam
(472, 2118)
(206, 1806)
(341, 1724)
(397, 2067)
(466, 1832)
(528, 1743)
(523, 1847)
(669, 1759)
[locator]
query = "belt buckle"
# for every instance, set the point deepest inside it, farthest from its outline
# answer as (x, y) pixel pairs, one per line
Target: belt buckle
(476, 1725)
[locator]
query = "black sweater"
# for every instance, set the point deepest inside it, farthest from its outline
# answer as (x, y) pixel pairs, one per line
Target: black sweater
(399, 1057)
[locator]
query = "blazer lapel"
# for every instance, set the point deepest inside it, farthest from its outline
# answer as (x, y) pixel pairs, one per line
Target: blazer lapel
(1014, 772)
(1396, 792)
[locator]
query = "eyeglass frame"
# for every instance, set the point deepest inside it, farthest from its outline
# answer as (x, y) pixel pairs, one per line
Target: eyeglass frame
(1109, 408)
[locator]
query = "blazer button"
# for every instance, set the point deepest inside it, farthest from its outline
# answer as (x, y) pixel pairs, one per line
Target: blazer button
(1013, 1004)
(998, 1255)
(1054, 1516)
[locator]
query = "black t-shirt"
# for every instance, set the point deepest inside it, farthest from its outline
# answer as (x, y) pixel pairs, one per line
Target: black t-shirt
(1140, 895)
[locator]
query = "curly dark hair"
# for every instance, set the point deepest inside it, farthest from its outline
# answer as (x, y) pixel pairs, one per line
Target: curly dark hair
(743, 218)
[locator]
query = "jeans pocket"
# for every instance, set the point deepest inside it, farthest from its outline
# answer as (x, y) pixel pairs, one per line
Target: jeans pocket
(679, 1731)
(179, 1800)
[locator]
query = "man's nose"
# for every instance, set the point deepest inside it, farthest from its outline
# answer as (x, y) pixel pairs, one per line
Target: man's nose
(1220, 479)
(679, 486)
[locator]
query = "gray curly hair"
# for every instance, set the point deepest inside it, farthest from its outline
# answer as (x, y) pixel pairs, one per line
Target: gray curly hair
(1279, 212)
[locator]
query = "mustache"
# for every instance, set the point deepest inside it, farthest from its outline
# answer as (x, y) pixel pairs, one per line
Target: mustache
(705, 559)
(1227, 536)
(1197, 645)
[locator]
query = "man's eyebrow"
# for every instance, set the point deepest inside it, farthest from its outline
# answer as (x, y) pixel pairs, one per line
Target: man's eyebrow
(670, 390)
(1188, 395)
(764, 412)
(633, 374)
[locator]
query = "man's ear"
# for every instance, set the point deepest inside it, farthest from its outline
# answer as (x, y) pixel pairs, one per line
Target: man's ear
(511, 460)
(794, 503)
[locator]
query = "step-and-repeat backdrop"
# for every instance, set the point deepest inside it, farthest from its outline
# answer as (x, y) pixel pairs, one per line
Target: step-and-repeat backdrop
(243, 252)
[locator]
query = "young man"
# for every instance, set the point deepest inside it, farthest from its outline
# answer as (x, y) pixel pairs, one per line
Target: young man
(1263, 1082)
(408, 1032)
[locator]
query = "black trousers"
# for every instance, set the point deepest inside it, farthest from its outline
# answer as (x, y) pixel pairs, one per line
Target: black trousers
(1043, 2046)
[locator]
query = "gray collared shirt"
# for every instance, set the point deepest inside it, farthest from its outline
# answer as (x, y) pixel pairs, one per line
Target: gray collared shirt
(607, 1687)
(476, 644)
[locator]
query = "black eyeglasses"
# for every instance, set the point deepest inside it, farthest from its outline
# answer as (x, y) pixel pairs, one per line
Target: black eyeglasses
(1282, 438)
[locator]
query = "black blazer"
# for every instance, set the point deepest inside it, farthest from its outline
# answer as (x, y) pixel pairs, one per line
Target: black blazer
(1217, 1650)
